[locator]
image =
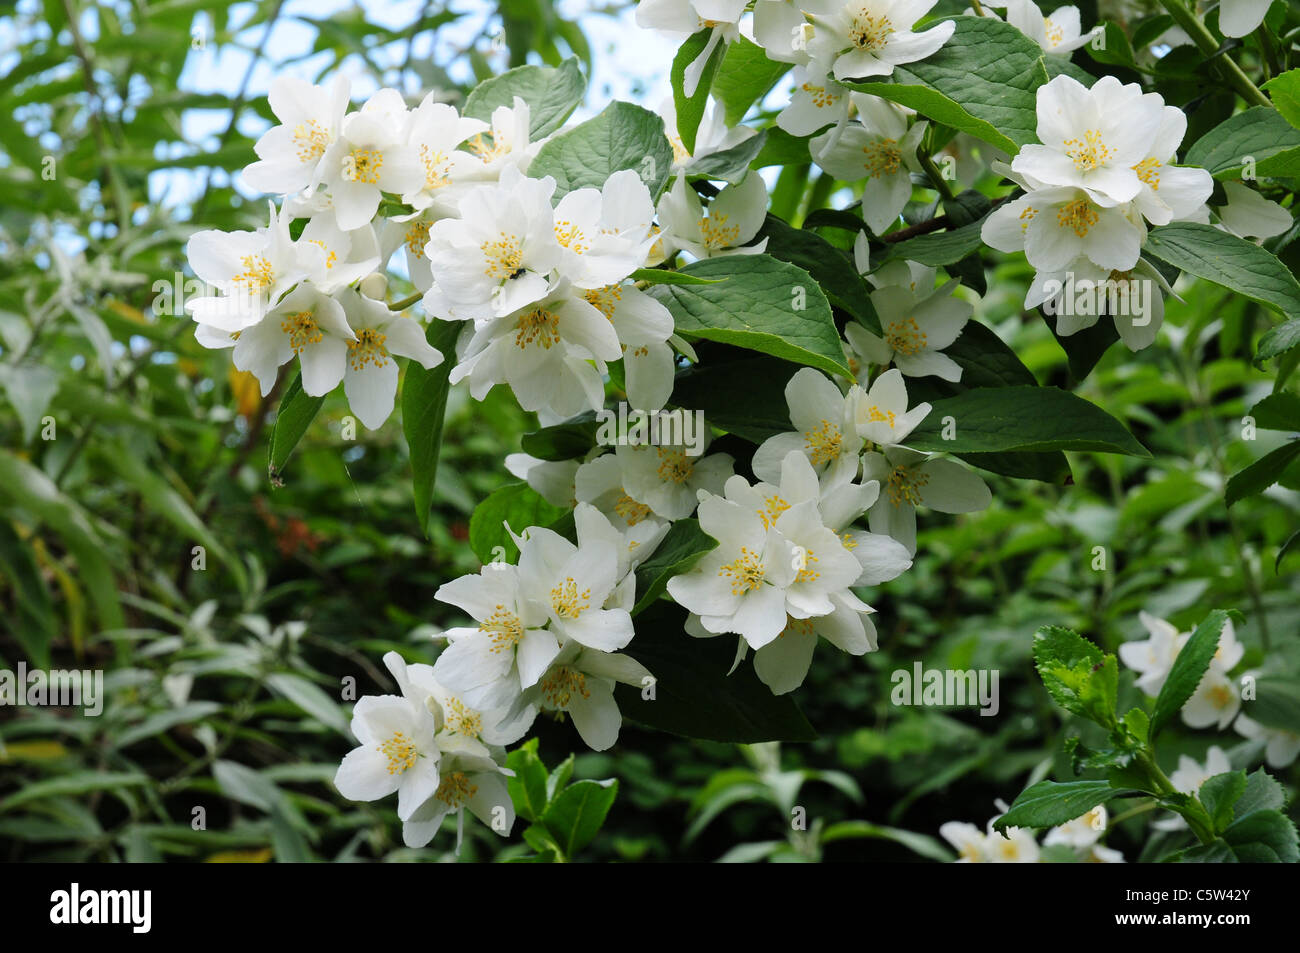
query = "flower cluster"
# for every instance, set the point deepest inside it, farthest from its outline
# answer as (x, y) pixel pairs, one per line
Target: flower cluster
(1102, 171)
(1217, 700)
(1076, 841)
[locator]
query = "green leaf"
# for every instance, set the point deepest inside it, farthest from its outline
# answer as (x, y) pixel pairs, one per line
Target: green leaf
(1218, 795)
(528, 786)
(1284, 90)
(1261, 474)
(712, 388)
(1264, 837)
(82, 782)
(25, 486)
(1236, 264)
(744, 78)
(566, 441)
(1259, 132)
(1077, 674)
(30, 388)
(1262, 793)
(1116, 50)
(938, 248)
(662, 276)
(998, 419)
(1280, 411)
(730, 165)
(1189, 668)
(919, 844)
(34, 622)
(552, 93)
(1286, 547)
(755, 308)
(1278, 340)
(684, 543)
(424, 404)
(982, 81)
(694, 696)
(623, 136)
(1049, 803)
(576, 815)
(517, 504)
(297, 411)
(690, 109)
(311, 698)
(834, 271)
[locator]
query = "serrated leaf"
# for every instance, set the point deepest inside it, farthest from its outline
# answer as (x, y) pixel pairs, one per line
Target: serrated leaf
(1189, 668)
(1259, 133)
(1076, 673)
(1279, 411)
(833, 270)
(744, 78)
(517, 504)
(622, 136)
(552, 93)
(1262, 793)
(1284, 90)
(1049, 803)
(1219, 794)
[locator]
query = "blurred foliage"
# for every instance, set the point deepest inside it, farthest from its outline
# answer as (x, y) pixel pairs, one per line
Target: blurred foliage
(124, 445)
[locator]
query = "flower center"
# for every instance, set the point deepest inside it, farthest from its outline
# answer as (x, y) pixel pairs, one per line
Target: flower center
(674, 465)
(311, 139)
(1079, 216)
(400, 752)
(605, 300)
(571, 237)
(1220, 696)
(567, 602)
(771, 510)
(539, 327)
(796, 626)
(368, 348)
(821, 96)
(1026, 216)
(1054, 33)
(454, 790)
(257, 274)
(1089, 152)
(301, 329)
(905, 336)
(823, 443)
(331, 257)
(559, 687)
(746, 572)
(717, 233)
(503, 257)
(503, 629)
(488, 147)
(869, 32)
(806, 572)
(905, 485)
(883, 157)
(631, 511)
(679, 150)
(1148, 170)
(462, 720)
(877, 416)
(417, 236)
(437, 168)
(363, 165)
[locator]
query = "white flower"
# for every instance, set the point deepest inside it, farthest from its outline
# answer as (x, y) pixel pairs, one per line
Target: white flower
(1060, 33)
(498, 256)
(369, 157)
(465, 729)
(917, 328)
(507, 144)
(682, 18)
(1238, 18)
(572, 584)
(880, 556)
(862, 38)
(1216, 700)
(667, 478)
(633, 545)
(643, 326)
(435, 131)
(1016, 846)
(346, 257)
(290, 153)
(816, 102)
(1093, 138)
(909, 479)
(307, 323)
(1081, 832)
(880, 148)
(469, 780)
(491, 664)
(600, 482)
(370, 377)
(825, 431)
(970, 842)
(544, 353)
(1097, 854)
(604, 234)
(881, 414)
(553, 479)
(1170, 193)
(1188, 779)
(1248, 214)
(1280, 747)
(1078, 295)
(398, 752)
(251, 270)
(782, 30)
(1055, 226)
(733, 218)
(711, 137)
(581, 683)
(1154, 656)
